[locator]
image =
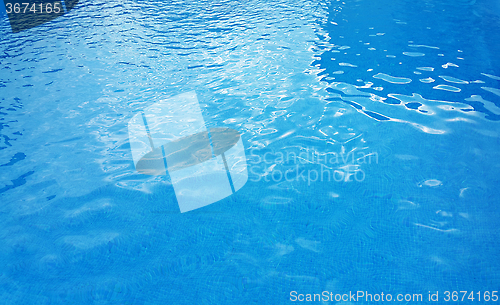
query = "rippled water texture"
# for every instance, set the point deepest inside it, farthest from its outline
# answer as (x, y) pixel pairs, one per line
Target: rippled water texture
(371, 131)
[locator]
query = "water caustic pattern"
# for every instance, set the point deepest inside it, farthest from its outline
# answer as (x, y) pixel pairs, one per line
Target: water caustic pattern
(370, 132)
(385, 74)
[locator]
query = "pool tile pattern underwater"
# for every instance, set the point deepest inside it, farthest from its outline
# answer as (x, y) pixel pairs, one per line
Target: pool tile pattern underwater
(385, 114)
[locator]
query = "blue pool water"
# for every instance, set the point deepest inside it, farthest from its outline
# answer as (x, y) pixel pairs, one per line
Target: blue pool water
(371, 133)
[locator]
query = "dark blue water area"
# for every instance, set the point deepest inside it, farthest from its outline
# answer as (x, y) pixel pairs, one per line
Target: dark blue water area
(433, 41)
(371, 138)
(3, 12)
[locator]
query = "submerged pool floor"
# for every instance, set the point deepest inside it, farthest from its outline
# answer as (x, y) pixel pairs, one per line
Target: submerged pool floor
(370, 132)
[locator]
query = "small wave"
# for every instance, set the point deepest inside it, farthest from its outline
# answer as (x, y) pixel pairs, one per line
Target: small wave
(491, 76)
(413, 54)
(392, 79)
(427, 80)
(425, 69)
(447, 88)
(492, 90)
(453, 80)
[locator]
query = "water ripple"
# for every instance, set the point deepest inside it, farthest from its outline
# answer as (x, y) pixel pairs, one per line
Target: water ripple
(73, 203)
(392, 79)
(447, 88)
(413, 54)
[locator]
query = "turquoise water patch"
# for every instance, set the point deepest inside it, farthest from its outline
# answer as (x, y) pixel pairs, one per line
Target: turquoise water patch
(362, 174)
